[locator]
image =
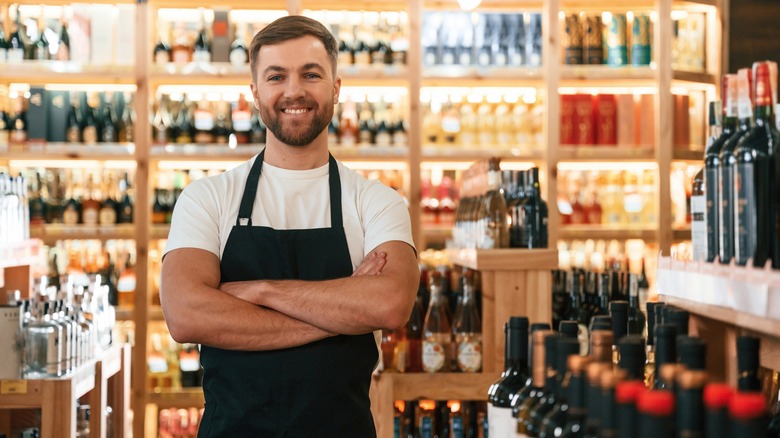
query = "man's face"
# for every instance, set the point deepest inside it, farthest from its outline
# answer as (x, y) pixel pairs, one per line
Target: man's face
(296, 91)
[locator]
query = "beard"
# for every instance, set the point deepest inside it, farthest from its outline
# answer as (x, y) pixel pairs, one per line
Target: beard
(295, 133)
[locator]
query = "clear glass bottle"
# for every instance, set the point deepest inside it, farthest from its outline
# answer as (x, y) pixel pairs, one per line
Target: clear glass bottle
(468, 332)
(42, 356)
(437, 332)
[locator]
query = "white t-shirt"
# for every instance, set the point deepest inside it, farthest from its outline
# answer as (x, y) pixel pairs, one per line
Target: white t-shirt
(207, 209)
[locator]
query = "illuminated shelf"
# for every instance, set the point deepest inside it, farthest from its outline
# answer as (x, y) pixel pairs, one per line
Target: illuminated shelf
(606, 153)
(464, 76)
(66, 72)
(50, 233)
(377, 5)
(608, 5)
(605, 232)
(503, 259)
(159, 231)
(687, 155)
(493, 5)
(606, 72)
(700, 78)
(470, 153)
(176, 398)
(68, 151)
(680, 234)
(209, 152)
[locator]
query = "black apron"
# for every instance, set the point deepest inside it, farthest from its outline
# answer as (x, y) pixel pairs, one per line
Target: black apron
(315, 390)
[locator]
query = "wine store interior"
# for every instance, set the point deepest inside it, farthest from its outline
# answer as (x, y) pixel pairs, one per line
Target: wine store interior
(593, 189)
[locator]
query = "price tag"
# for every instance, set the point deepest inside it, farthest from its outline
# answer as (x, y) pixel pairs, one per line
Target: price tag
(10, 387)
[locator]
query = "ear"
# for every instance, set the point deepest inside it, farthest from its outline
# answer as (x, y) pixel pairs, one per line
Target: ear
(336, 89)
(255, 97)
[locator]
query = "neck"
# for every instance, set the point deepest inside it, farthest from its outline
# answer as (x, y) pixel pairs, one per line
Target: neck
(307, 157)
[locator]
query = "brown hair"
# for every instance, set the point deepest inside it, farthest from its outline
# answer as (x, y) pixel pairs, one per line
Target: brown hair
(289, 28)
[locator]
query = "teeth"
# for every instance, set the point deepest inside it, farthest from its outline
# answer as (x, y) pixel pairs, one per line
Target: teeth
(295, 111)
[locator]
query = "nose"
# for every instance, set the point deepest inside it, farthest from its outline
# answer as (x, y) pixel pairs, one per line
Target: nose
(294, 88)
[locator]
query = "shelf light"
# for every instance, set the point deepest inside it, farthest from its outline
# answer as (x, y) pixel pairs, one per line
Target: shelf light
(200, 165)
(573, 166)
(72, 164)
(436, 166)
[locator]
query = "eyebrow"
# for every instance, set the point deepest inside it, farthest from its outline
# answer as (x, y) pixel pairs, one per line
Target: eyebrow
(307, 66)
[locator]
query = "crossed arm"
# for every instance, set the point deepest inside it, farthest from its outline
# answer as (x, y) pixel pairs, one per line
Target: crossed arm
(264, 315)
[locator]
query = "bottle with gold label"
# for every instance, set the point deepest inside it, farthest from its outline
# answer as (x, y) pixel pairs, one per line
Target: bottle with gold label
(107, 214)
(468, 331)
(437, 335)
(73, 127)
(90, 205)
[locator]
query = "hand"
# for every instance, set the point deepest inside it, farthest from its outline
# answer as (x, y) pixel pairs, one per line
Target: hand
(371, 265)
(239, 289)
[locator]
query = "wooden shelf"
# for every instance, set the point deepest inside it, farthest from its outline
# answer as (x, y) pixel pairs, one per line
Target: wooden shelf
(608, 5)
(680, 234)
(606, 153)
(606, 232)
(687, 155)
(436, 386)
(153, 313)
(606, 73)
(67, 72)
(504, 259)
(488, 5)
(470, 153)
(211, 152)
(695, 77)
(181, 398)
(159, 231)
(379, 5)
(50, 233)
(68, 151)
(465, 76)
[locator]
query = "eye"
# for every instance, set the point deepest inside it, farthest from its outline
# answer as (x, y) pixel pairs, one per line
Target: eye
(311, 76)
(274, 78)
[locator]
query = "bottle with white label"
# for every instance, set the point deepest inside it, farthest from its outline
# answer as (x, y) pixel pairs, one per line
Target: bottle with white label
(515, 376)
(437, 335)
(468, 332)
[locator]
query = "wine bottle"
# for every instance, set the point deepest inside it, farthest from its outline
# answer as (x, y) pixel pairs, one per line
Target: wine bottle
(578, 313)
(90, 205)
(626, 395)
(748, 363)
(89, 131)
(568, 416)
(514, 377)
(239, 55)
(3, 46)
(63, 46)
(468, 332)
(632, 357)
(564, 348)
(436, 351)
(728, 163)
(754, 208)
(125, 213)
(692, 352)
(17, 48)
(535, 214)
(656, 414)
(494, 213)
(39, 50)
(690, 403)
(126, 131)
(543, 342)
(108, 208)
(202, 48)
(608, 381)
(618, 311)
(747, 415)
(665, 351)
(716, 401)
(636, 317)
(108, 122)
(162, 50)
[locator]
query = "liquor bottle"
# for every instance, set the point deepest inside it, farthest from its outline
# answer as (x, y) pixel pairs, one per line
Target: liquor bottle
(626, 395)
(571, 404)
(691, 352)
(656, 414)
(716, 401)
(16, 44)
(202, 49)
(3, 46)
(162, 50)
(514, 377)
(125, 212)
(42, 357)
(747, 415)
(414, 333)
(728, 168)
(754, 208)
(608, 381)
(258, 135)
(203, 121)
(108, 209)
(18, 126)
(189, 366)
(108, 122)
(90, 205)
(89, 130)
(467, 328)
(437, 334)
(748, 363)
(63, 47)
(126, 131)
(564, 348)
(181, 50)
(690, 402)
(37, 205)
(126, 284)
(39, 50)
(71, 212)
(239, 55)
(73, 127)
(535, 214)
(636, 318)
(161, 122)
(543, 378)
(698, 217)
(348, 124)
(493, 215)
(578, 313)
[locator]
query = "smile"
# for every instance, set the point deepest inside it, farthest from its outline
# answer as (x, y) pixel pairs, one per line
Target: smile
(296, 111)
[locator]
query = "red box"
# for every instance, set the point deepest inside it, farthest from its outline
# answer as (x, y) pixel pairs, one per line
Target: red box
(567, 119)
(606, 119)
(584, 119)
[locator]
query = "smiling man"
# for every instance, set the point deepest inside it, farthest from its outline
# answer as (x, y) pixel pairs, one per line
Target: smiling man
(284, 267)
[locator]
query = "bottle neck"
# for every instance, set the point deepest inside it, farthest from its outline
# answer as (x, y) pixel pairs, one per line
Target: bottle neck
(764, 115)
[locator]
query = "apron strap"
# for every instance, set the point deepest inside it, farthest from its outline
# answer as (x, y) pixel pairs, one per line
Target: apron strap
(334, 181)
(250, 191)
(248, 199)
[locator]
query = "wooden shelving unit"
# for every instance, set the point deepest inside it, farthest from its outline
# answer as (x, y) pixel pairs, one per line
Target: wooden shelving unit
(144, 157)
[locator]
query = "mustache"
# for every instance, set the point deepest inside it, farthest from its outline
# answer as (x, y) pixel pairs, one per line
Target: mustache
(297, 102)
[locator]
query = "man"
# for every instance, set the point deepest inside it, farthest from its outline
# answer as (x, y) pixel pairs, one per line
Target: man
(283, 267)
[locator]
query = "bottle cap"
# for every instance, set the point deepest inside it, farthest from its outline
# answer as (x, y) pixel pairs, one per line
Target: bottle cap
(618, 310)
(665, 346)
(518, 322)
(658, 403)
(763, 92)
(632, 355)
(566, 347)
(569, 329)
(629, 391)
(659, 313)
(729, 93)
(747, 405)
(692, 352)
(747, 353)
(539, 326)
(679, 318)
(601, 322)
(717, 395)
(601, 345)
(550, 348)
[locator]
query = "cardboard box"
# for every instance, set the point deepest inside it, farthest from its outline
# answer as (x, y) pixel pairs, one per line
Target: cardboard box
(37, 115)
(59, 107)
(584, 120)
(101, 34)
(681, 122)
(606, 119)
(645, 120)
(567, 119)
(221, 37)
(10, 326)
(124, 36)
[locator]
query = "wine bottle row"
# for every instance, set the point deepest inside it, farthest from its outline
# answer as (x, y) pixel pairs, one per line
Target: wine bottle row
(482, 39)
(179, 422)
(51, 115)
(625, 385)
(737, 191)
(59, 329)
(440, 419)
(500, 209)
(442, 335)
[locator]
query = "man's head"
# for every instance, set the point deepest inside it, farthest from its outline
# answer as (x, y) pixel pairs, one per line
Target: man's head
(294, 80)
(288, 28)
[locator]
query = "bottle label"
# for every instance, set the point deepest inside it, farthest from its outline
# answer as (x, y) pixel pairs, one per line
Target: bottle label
(203, 56)
(470, 356)
(70, 216)
(711, 213)
(157, 364)
(53, 354)
(203, 120)
(90, 216)
(107, 216)
(242, 121)
(699, 227)
(457, 428)
(433, 356)
(73, 134)
(90, 135)
(383, 139)
(501, 423)
(162, 57)
(426, 427)
(745, 226)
